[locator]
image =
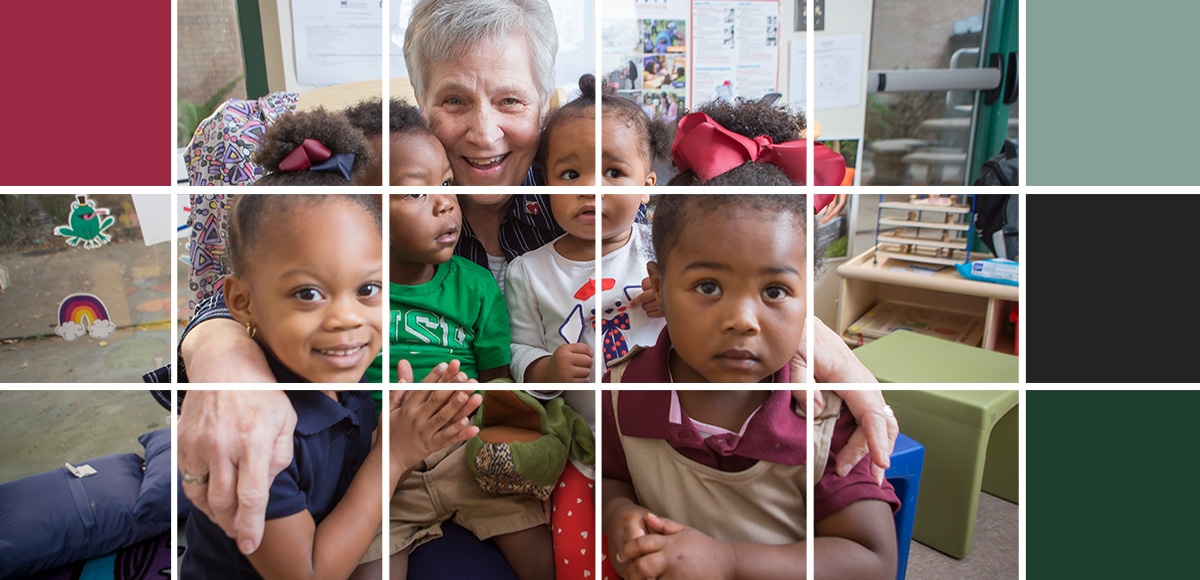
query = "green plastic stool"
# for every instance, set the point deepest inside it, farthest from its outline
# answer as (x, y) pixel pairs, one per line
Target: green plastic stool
(971, 442)
(908, 357)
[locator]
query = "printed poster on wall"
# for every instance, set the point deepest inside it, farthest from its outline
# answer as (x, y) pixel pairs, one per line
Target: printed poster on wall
(645, 54)
(735, 48)
(337, 42)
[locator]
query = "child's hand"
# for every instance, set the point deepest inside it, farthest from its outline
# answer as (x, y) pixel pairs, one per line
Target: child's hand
(442, 373)
(570, 363)
(673, 550)
(626, 525)
(428, 421)
(648, 300)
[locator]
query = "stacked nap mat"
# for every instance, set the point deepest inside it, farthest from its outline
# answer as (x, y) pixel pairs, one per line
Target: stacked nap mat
(55, 518)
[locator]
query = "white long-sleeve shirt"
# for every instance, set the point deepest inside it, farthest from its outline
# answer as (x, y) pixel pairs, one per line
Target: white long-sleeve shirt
(550, 304)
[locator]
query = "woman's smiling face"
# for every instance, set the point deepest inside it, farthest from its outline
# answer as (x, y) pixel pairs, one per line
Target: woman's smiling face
(485, 108)
(314, 289)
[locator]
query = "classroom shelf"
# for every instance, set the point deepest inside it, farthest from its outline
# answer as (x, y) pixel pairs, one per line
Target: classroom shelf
(870, 278)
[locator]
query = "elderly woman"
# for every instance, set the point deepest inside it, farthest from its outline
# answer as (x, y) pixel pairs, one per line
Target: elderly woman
(483, 74)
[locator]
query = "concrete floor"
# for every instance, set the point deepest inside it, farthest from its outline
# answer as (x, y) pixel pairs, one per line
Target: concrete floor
(42, 430)
(995, 554)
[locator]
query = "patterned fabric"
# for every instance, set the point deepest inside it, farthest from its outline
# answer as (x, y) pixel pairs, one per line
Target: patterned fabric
(615, 346)
(219, 153)
(208, 245)
(146, 560)
(572, 519)
(498, 473)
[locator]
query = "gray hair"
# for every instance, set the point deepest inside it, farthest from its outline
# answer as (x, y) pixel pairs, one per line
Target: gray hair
(442, 29)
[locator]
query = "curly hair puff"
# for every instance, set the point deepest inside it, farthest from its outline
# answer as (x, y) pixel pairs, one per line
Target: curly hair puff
(367, 116)
(333, 130)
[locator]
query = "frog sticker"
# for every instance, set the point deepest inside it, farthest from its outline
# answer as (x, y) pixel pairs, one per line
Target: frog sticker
(86, 224)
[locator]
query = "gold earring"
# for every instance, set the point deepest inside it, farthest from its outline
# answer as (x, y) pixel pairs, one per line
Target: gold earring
(251, 330)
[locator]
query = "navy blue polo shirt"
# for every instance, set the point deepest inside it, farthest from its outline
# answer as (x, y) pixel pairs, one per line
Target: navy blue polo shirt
(332, 440)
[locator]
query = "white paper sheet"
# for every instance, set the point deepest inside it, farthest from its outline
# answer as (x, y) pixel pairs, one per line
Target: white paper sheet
(154, 215)
(337, 41)
(797, 74)
(838, 71)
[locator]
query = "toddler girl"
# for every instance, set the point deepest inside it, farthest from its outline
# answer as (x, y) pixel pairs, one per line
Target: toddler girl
(551, 290)
(307, 282)
(630, 141)
(735, 314)
(730, 279)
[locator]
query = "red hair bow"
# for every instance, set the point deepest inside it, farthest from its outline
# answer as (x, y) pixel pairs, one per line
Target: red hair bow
(312, 154)
(708, 149)
(302, 157)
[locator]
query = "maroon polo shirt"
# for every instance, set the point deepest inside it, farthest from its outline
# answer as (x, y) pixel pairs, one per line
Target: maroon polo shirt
(774, 433)
(832, 493)
(653, 365)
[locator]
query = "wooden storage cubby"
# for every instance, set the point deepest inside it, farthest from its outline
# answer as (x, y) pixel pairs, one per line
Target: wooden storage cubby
(867, 281)
(924, 232)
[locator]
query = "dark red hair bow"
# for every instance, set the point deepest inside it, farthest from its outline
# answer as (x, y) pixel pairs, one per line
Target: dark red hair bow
(315, 156)
(708, 149)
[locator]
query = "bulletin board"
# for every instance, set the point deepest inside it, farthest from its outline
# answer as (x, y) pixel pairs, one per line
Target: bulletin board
(671, 54)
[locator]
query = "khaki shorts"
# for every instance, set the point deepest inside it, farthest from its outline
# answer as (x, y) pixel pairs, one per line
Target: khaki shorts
(443, 488)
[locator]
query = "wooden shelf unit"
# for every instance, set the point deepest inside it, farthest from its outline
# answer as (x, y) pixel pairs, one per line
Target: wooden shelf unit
(867, 281)
(914, 235)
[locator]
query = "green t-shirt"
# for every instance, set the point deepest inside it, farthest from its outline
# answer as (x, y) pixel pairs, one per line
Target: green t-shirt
(459, 314)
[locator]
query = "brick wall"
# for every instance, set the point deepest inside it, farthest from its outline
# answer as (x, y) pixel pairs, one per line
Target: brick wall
(916, 33)
(210, 50)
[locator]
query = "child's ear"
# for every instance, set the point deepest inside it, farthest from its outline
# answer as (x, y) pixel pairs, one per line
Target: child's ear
(651, 179)
(237, 299)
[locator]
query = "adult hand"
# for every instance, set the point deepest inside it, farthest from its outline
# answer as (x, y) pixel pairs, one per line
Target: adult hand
(818, 402)
(648, 300)
(219, 351)
(833, 361)
(876, 433)
(239, 440)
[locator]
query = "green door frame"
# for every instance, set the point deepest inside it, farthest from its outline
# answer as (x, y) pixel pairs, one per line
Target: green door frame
(991, 123)
(253, 55)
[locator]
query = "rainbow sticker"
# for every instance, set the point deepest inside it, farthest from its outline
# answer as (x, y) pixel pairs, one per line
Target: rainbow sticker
(80, 314)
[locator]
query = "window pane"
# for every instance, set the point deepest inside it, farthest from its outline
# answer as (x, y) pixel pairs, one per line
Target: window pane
(921, 138)
(211, 66)
(86, 293)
